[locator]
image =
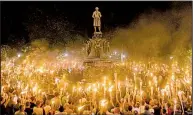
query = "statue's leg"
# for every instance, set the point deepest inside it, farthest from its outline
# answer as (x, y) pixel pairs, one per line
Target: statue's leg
(94, 28)
(99, 29)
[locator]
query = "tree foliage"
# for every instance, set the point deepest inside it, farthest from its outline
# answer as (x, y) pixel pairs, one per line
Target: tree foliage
(57, 30)
(7, 52)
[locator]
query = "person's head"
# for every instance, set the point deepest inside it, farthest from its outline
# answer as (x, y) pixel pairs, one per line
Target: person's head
(168, 104)
(143, 102)
(130, 108)
(178, 107)
(61, 109)
(156, 103)
(27, 104)
(116, 110)
(117, 105)
(2, 99)
(137, 104)
(70, 102)
(190, 107)
(21, 107)
(146, 107)
(171, 107)
(97, 9)
(18, 100)
(38, 103)
(47, 102)
(122, 100)
(56, 94)
(147, 101)
(33, 98)
(164, 111)
(151, 103)
(135, 112)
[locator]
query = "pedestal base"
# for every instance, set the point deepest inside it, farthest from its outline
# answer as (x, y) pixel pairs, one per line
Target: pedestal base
(97, 35)
(97, 62)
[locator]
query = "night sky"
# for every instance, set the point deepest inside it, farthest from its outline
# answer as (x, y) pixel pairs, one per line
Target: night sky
(15, 14)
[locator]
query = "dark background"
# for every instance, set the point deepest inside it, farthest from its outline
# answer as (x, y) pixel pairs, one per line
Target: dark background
(15, 14)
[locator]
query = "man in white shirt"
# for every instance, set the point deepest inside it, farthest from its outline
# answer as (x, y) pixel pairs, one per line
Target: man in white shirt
(56, 102)
(47, 107)
(21, 110)
(38, 110)
(142, 107)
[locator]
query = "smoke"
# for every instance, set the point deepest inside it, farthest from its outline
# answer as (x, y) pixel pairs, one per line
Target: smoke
(156, 34)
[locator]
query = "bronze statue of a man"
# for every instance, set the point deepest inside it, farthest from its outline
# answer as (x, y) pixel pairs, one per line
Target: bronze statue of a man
(97, 21)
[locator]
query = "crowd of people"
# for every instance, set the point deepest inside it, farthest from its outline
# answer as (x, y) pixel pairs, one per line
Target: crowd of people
(53, 105)
(147, 89)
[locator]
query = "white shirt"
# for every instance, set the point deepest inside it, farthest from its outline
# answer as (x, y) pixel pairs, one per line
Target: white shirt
(136, 109)
(57, 102)
(86, 112)
(151, 110)
(142, 109)
(20, 113)
(38, 111)
(60, 113)
(47, 108)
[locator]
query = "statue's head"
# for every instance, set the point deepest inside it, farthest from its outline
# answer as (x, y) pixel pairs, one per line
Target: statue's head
(96, 8)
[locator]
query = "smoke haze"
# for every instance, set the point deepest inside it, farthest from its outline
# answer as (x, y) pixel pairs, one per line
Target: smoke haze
(156, 34)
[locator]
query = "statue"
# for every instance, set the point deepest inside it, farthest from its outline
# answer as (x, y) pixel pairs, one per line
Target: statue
(97, 47)
(97, 21)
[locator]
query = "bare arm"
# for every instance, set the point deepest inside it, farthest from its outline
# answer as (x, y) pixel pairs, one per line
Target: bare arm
(7, 101)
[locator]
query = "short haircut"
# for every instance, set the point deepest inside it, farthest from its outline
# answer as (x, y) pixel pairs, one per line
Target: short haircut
(61, 109)
(20, 107)
(130, 108)
(178, 107)
(164, 111)
(33, 98)
(38, 103)
(1, 98)
(27, 103)
(146, 107)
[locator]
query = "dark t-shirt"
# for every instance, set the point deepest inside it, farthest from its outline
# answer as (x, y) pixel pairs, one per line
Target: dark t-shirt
(32, 105)
(157, 110)
(3, 109)
(10, 110)
(16, 107)
(29, 111)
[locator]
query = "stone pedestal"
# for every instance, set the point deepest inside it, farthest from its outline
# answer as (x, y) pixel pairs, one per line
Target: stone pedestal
(97, 51)
(97, 35)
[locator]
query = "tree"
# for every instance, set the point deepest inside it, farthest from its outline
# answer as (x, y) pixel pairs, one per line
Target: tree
(7, 52)
(56, 30)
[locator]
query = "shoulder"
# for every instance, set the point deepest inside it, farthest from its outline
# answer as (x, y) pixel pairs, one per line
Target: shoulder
(57, 113)
(16, 112)
(47, 107)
